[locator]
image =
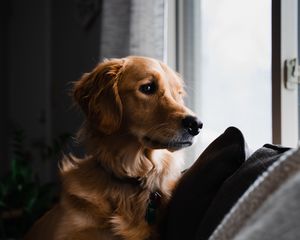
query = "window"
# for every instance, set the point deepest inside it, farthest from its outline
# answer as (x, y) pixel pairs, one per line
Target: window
(225, 52)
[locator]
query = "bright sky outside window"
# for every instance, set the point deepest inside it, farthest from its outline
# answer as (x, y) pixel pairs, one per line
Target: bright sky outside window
(234, 87)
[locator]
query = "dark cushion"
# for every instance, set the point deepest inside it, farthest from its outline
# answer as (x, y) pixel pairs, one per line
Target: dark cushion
(234, 187)
(200, 184)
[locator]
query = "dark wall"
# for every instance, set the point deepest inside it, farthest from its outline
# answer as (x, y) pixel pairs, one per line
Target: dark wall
(4, 31)
(75, 51)
(27, 67)
(45, 47)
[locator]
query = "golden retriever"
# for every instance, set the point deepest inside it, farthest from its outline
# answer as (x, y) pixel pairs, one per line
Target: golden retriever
(135, 123)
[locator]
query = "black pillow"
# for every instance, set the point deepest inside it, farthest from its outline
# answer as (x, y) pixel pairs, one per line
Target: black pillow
(199, 185)
(234, 187)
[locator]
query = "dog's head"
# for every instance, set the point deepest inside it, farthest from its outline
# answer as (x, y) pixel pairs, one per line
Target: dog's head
(139, 95)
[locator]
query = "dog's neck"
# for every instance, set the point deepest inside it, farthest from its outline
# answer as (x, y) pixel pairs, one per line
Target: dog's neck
(119, 153)
(125, 157)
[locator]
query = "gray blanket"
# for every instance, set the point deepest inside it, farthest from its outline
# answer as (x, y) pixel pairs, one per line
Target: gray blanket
(270, 208)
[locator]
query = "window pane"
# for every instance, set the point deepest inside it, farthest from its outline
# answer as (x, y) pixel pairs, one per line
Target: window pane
(234, 87)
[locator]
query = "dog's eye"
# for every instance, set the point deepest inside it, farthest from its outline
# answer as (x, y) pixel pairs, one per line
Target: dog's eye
(148, 88)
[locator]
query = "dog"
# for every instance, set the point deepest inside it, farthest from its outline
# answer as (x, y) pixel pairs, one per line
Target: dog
(136, 122)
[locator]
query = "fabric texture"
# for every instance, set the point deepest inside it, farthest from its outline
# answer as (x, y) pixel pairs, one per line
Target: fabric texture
(260, 211)
(199, 185)
(132, 27)
(278, 217)
(235, 186)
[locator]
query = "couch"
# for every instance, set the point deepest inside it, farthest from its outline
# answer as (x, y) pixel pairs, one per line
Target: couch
(229, 193)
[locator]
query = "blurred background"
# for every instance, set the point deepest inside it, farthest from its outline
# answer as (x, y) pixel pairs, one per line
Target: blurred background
(231, 54)
(44, 47)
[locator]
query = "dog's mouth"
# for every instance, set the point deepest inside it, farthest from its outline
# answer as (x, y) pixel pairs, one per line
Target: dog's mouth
(172, 145)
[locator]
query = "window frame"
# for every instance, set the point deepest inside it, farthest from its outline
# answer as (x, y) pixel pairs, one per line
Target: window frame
(285, 122)
(182, 52)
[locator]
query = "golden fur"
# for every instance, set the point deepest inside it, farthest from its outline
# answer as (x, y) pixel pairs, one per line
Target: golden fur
(128, 135)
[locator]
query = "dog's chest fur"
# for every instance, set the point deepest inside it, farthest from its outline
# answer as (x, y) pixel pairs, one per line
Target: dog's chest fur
(96, 198)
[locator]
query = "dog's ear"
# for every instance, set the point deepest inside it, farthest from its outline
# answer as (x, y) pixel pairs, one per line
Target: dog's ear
(97, 94)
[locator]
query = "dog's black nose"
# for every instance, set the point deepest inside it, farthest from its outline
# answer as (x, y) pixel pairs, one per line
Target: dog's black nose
(192, 125)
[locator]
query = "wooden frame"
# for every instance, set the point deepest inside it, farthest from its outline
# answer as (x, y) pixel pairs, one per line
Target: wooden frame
(285, 123)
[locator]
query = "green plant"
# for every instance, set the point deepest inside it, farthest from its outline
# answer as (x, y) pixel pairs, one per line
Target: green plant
(23, 198)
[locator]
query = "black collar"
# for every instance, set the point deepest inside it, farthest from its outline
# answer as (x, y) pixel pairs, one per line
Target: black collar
(154, 200)
(134, 181)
